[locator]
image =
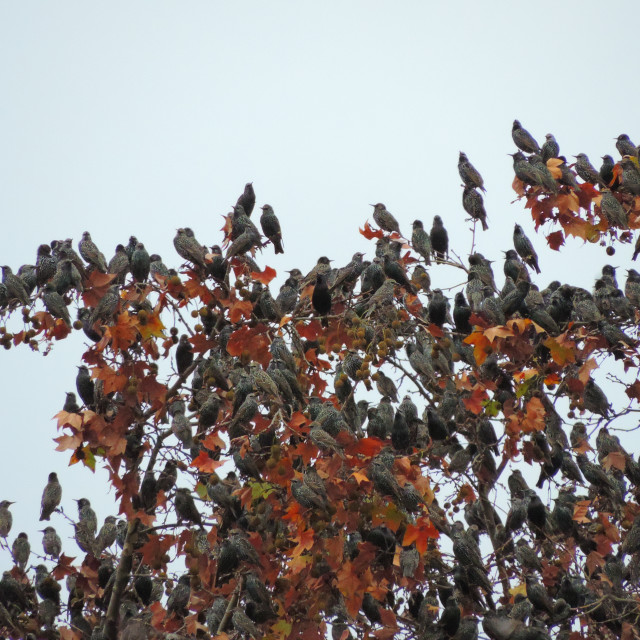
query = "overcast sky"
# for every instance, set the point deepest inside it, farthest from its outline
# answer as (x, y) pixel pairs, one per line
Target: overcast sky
(137, 118)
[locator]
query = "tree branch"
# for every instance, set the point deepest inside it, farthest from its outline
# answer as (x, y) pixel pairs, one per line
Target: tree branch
(121, 580)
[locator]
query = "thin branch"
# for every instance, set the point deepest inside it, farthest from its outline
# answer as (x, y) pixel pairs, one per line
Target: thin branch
(123, 573)
(233, 602)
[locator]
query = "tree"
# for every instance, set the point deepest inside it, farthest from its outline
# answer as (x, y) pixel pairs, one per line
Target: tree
(332, 460)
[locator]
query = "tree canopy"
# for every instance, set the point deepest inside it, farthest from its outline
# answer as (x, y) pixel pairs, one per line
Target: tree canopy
(356, 455)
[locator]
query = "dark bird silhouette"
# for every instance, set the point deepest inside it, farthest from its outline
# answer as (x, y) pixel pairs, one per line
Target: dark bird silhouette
(439, 239)
(523, 139)
(469, 174)
(51, 497)
(271, 227)
(524, 248)
(247, 199)
(321, 297)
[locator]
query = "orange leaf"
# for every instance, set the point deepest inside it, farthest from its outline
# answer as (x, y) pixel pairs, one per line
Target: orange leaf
(205, 463)
(562, 354)
(580, 510)
(497, 332)
(369, 233)
(367, 447)
(614, 459)
(213, 441)
(555, 240)
(67, 442)
(474, 403)
(265, 276)
(239, 309)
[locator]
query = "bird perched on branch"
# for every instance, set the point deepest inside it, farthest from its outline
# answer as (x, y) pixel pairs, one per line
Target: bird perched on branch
(524, 248)
(523, 139)
(271, 227)
(384, 219)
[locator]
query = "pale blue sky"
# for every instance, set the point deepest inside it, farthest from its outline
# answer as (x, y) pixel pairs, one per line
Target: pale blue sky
(123, 118)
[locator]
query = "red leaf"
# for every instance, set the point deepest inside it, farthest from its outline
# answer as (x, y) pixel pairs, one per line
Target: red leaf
(369, 233)
(205, 463)
(555, 240)
(265, 276)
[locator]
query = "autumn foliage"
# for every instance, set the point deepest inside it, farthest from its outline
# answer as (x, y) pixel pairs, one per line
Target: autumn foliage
(356, 474)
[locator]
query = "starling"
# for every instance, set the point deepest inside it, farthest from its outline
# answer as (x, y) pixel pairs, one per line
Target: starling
(632, 286)
(322, 266)
(45, 265)
(513, 267)
(247, 199)
(536, 514)
(450, 618)
(91, 254)
(400, 434)
(469, 174)
(372, 277)
(348, 276)
(409, 562)
(85, 386)
(46, 586)
(215, 614)
(383, 479)
(525, 171)
(87, 516)
(567, 177)
(321, 297)
(550, 148)
(186, 507)
(179, 597)
(437, 308)
(55, 304)
(384, 219)
(189, 248)
(482, 266)
(140, 263)
(393, 270)
(546, 178)
(106, 536)
(51, 497)
(612, 210)
(371, 608)
(287, 298)
(244, 625)
(71, 404)
(436, 425)
(538, 595)
(271, 227)
(243, 243)
(630, 175)
(461, 314)
(439, 239)
(21, 550)
(107, 306)
(324, 441)
(595, 399)
(420, 241)
(306, 496)
(631, 543)
(168, 476)
(523, 139)
(625, 146)
(119, 264)
(184, 354)
(518, 485)
(51, 543)
(513, 301)
(386, 386)
(181, 428)
(157, 267)
(586, 170)
(15, 287)
(606, 172)
(11, 592)
(524, 248)
(474, 206)
(420, 278)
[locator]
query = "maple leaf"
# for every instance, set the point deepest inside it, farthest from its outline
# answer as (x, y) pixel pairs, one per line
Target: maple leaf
(555, 240)
(614, 459)
(580, 510)
(240, 309)
(151, 327)
(206, 464)
(67, 442)
(265, 276)
(368, 232)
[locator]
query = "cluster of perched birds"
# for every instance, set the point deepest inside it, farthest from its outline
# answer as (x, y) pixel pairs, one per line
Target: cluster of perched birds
(218, 392)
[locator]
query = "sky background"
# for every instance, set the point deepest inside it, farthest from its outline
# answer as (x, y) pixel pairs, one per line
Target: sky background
(138, 118)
